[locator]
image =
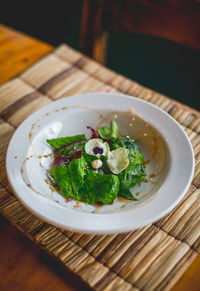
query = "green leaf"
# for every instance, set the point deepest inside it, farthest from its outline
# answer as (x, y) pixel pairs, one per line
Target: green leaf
(56, 143)
(60, 175)
(127, 194)
(128, 143)
(77, 173)
(131, 180)
(100, 188)
(105, 167)
(134, 173)
(108, 189)
(135, 158)
(89, 190)
(88, 158)
(68, 150)
(109, 132)
(104, 132)
(115, 146)
(113, 129)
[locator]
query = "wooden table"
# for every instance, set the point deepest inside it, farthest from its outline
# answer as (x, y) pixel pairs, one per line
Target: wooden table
(24, 266)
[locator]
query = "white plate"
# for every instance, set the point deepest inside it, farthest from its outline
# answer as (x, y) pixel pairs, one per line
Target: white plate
(167, 150)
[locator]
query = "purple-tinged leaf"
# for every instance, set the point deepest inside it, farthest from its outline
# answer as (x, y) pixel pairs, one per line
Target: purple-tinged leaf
(60, 161)
(69, 199)
(76, 155)
(94, 132)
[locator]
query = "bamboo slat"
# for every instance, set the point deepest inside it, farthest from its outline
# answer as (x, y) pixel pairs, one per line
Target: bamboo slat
(149, 258)
(46, 69)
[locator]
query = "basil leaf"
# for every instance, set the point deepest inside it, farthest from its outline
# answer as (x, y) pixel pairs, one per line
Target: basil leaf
(104, 132)
(109, 132)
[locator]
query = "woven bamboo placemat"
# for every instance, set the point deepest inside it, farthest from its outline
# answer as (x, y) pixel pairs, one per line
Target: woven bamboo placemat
(149, 258)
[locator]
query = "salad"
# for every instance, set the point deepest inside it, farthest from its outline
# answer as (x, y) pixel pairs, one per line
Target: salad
(99, 169)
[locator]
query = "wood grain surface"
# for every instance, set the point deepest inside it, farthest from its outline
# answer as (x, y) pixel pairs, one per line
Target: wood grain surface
(17, 52)
(23, 265)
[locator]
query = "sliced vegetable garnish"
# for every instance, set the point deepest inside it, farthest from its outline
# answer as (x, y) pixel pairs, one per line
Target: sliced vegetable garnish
(118, 160)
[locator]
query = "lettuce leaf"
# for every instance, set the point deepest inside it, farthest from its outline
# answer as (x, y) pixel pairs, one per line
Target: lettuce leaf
(100, 188)
(86, 186)
(70, 178)
(60, 175)
(89, 190)
(77, 169)
(108, 189)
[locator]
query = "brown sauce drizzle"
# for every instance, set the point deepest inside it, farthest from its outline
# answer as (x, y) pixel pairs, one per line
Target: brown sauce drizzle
(153, 175)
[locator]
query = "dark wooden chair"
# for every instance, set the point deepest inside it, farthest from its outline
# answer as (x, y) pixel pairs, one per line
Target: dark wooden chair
(176, 20)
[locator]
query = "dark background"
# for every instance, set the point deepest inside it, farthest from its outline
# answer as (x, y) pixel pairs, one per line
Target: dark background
(162, 65)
